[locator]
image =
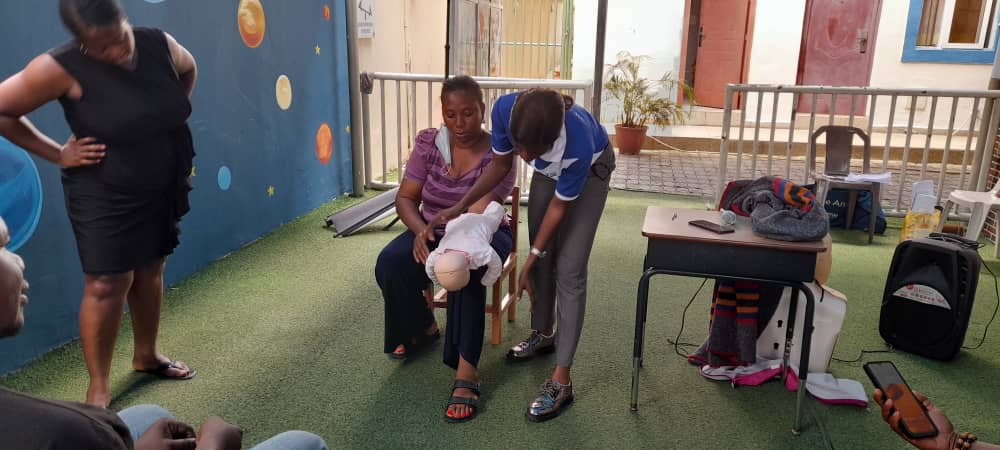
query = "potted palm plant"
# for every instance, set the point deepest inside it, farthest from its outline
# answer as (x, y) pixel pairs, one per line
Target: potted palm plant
(640, 101)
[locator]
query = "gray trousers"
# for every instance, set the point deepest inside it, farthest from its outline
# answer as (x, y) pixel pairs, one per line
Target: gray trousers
(560, 279)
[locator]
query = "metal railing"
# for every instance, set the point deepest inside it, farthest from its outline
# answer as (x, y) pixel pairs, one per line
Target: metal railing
(952, 146)
(404, 101)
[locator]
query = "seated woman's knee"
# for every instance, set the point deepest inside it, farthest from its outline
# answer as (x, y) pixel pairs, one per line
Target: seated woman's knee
(390, 259)
(502, 247)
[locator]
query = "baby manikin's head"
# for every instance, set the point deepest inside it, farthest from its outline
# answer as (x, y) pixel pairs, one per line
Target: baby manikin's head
(452, 270)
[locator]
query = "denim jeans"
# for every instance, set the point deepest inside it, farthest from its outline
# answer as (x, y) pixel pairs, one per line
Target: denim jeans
(140, 417)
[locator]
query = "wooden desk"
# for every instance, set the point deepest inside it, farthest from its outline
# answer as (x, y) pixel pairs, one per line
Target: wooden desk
(675, 247)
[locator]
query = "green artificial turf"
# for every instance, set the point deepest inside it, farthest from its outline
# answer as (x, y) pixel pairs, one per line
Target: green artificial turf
(287, 334)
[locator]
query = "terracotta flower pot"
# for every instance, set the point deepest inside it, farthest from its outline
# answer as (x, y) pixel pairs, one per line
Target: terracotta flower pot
(629, 140)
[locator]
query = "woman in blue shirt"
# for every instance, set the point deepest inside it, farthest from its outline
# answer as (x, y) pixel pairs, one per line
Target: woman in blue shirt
(572, 160)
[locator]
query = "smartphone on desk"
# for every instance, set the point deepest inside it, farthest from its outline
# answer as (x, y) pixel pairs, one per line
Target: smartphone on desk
(914, 420)
(712, 226)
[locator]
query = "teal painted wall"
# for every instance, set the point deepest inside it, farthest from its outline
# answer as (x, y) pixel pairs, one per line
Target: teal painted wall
(258, 166)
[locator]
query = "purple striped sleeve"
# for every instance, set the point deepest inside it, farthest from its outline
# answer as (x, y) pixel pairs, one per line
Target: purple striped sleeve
(423, 149)
(506, 186)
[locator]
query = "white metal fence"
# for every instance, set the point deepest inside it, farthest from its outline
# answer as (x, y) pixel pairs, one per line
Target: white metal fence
(403, 102)
(916, 134)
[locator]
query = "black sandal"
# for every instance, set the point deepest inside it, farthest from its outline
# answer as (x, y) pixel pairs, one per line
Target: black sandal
(418, 344)
(472, 403)
(164, 367)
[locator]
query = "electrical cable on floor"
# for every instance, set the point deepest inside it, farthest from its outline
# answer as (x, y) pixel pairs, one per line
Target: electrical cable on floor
(889, 348)
(996, 307)
(677, 341)
(861, 355)
(975, 246)
(819, 424)
(996, 289)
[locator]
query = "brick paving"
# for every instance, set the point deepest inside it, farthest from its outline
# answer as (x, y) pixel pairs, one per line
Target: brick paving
(696, 174)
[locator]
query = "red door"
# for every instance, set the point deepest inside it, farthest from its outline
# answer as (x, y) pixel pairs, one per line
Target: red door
(837, 47)
(721, 45)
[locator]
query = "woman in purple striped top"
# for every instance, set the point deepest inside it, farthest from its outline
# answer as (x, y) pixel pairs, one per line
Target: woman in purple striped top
(442, 168)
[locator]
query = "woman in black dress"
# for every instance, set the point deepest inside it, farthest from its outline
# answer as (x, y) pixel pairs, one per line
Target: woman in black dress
(125, 170)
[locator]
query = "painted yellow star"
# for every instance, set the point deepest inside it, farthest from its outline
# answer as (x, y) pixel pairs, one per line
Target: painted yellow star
(317, 49)
(347, 129)
(270, 191)
(192, 172)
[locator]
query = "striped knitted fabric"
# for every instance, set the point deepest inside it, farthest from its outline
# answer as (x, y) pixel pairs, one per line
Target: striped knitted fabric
(732, 328)
(794, 195)
(734, 317)
(739, 195)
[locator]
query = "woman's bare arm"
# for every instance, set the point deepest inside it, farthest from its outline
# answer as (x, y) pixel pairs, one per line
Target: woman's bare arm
(42, 81)
(187, 67)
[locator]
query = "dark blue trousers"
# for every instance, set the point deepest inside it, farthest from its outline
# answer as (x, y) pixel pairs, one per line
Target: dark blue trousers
(402, 281)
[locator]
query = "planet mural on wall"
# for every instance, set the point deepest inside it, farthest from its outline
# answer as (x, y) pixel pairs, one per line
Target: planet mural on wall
(283, 92)
(224, 178)
(21, 202)
(324, 144)
(252, 22)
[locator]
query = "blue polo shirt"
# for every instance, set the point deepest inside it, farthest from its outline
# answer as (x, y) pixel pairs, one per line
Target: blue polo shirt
(580, 143)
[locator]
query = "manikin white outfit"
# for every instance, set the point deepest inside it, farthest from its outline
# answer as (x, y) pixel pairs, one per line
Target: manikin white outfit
(471, 234)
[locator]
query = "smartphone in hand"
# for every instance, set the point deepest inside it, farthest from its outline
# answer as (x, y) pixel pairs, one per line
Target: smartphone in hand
(914, 420)
(712, 226)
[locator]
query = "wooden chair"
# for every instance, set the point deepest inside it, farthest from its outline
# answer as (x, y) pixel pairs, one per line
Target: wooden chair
(500, 302)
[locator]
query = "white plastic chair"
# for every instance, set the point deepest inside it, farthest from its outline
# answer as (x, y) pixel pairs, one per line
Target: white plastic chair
(981, 203)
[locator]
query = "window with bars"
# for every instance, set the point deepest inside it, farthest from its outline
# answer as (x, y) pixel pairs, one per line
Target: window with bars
(968, 24)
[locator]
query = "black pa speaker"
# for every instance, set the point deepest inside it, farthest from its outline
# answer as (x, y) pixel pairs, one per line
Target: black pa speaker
(929, 295)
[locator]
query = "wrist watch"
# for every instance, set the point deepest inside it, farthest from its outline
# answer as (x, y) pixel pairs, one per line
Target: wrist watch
(540, 254)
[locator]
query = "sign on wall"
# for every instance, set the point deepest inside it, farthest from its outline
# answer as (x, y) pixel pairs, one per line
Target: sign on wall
(366, 19)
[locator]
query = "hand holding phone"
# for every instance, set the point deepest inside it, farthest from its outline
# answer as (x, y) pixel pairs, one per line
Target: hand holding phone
(712, 226)
(914, 422)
